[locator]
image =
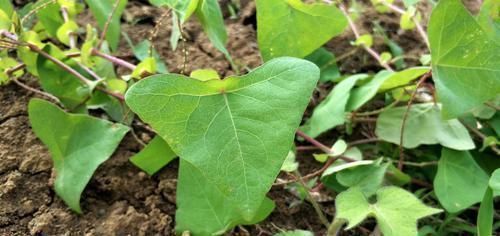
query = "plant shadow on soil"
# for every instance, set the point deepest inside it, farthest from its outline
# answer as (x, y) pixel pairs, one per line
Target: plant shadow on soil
(122, 200)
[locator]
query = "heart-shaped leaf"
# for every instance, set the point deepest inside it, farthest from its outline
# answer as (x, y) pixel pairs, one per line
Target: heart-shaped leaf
(78, 145)
(424, 125)
(456, 170)
(465, 59)
(284, 27)
(396, 210)
(236, 131)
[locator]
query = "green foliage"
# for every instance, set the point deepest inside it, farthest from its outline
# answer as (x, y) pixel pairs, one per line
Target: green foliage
(466, 75)
(423, 126)
(57, 81)
(234, 135)
(78, 145)
(457, 169)
(392, 203)
(326, 62)
(283, 24)
(236, 121)
(203, 209)
(101, 9)
(154, 156)
(330, 112)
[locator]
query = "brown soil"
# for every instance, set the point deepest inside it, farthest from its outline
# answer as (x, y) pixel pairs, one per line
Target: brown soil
(122, 200)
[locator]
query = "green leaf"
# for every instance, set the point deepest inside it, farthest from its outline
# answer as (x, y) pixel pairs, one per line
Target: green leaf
(401, 78)
(141, 52)
(146, 67)
(210, 17)
(368, 178)
(485, 214)
(78, 145)
(6, 6)
(465, 59)
(364, 40)
(290, 164)
(117, 110)
(362, 94)
(204, 74)
(340, 165)
(203, 209)
(459, 182)
(50, 16)
(283, 27)
(101, 10)
(339, 147)
(182, 8)
(423, 126)
(331, 111)
(326, 62)
(396, 210)
(154, 156)
(229, 128)
(494, 182)
(68, 88)
(489, 17)
(65, 31)
(296, 232)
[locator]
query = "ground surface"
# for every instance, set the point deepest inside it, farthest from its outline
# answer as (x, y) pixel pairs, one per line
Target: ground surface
(122, 200)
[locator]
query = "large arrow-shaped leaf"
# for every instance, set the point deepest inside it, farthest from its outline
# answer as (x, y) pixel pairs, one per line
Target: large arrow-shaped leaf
(236, 131)
(78, 145)
(293, 28)
(465, 59)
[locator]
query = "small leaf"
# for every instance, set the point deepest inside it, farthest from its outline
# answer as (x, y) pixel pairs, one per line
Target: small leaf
(154, 156)
(345, 165)
(78, 145)
(204, 74)
(365, 40)
(290, 164)
(145, 68)
(401, 78)
(320, 157)
(423, 126)
(331, 111)
(338, 148)
(459, 182)
(406, 21)
(396, 210)
(368, 178)
(64, 32)
(385, 57)
(283, 27)
(209, 14)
